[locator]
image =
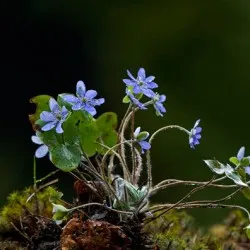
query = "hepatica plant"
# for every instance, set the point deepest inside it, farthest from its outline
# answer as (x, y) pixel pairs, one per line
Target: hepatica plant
(108, 156)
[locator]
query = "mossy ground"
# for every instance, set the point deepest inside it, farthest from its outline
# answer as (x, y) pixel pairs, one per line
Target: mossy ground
(29, 225)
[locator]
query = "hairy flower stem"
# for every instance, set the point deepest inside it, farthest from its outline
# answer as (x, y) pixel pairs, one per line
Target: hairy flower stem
(182, 199)
(126, 173)
(149, 168)
(101, 205)
(124, 117)
(160, 207)
(123, 128)
(158, 188)
(133, 146)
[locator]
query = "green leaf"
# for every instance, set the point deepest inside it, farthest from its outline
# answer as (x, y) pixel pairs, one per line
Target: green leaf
(234, 160)
(107, 124)
(65, 157)
(139, 96)
(81, 130)
(42, 104)
(233, 175)
(215, 166)
(142, 136)
(126, 99)
(241, 171)
(247, 231)
(89, 133)
(60, 213)
(245, 162)
(246, 192)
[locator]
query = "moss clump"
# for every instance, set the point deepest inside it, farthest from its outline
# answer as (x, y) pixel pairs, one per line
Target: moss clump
(26, 215)
(176, 230)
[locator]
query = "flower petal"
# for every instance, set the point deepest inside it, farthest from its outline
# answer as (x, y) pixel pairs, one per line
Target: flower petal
(247, 170)
(197, 123)
(36, 140)
(198, 130)
(97, 102)
(79, 105)
(137, 132)
(129, 82)
(47, 116)
(80, 89)
(159, 107)
(162, 98)
(137, 89)
(90, 94)
(54, 107)
(141, 74)
(149, 79)
(64, 113)
(91, 110)
(152, 85)
(241, 153)
(145, 145)
(41, 151)
(49, 126)
(70, 98)
(130, 75)
(59, 129)
(148, 92)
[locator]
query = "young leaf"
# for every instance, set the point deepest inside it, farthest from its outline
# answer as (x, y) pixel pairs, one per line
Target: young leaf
(42, 104)
(215, 166)
(234, 160)
(233, 175)
(126, 99)
(66, 158)
(246, 192)
(107, 124)
(60, 213)
(247, 231)
(81, 130)
(245, 162)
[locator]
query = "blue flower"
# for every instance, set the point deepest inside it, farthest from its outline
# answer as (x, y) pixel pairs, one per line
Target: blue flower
(55, 118)
(84, 99)
(195, 135)
(140, 137)
(157, 102)
(241, 153)
(240, 156)
(42, 150)
(136, 102)
(141, 84)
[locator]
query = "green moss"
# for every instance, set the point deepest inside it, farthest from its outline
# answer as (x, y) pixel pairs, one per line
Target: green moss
(177, 230)
(21, 204)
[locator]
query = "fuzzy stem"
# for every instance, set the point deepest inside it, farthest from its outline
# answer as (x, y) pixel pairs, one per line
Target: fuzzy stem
(133, 146)
(124, 117)
(149, 167)
(127, 175)
(47, 176)
(188, 183)
(185, 197)
(162, 206)
(138, 168)
(166, 128)
(102, 205)
(124, 126)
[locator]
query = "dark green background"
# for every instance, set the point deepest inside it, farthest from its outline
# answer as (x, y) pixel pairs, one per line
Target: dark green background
(199, 52)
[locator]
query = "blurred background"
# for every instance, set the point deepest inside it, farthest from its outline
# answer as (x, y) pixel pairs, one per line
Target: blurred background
(199, 52)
